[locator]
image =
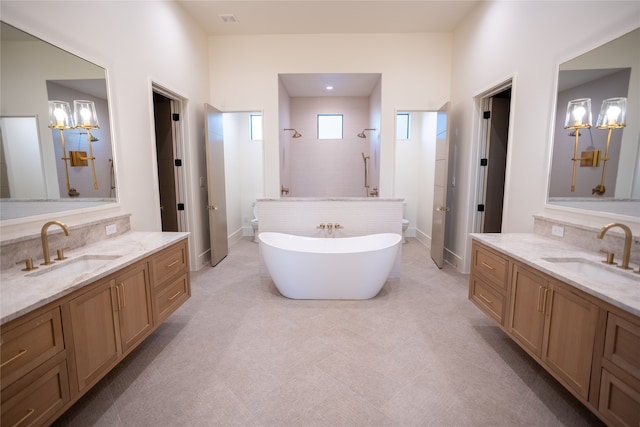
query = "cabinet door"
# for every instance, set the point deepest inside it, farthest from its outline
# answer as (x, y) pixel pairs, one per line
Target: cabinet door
(96, 337)
(526, 314)
(134, 305)
(569, 337)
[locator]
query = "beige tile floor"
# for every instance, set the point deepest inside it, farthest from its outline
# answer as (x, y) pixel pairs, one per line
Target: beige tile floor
(239, 354)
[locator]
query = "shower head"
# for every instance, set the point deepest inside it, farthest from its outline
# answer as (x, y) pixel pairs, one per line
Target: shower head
(296, 134)
(362, 134)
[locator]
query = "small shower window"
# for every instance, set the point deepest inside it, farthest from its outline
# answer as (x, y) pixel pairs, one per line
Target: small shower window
(402, 126)
(256, 127)
(330, 126)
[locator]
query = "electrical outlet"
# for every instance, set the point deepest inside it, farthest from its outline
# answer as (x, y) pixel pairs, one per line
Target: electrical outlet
(557, 230)
(111, 229)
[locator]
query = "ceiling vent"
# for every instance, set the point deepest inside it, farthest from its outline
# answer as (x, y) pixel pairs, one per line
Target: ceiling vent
(228, 19)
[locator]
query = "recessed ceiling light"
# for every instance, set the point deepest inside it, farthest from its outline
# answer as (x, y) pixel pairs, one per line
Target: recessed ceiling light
(329, 88)
(228, 19)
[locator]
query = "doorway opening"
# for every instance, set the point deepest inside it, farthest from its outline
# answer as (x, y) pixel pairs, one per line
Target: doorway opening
(167, 109)
(495, 107)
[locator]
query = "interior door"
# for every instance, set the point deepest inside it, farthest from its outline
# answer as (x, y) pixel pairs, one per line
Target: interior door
(166, 162)
(440, 208)
(216, 186)
(496, 155)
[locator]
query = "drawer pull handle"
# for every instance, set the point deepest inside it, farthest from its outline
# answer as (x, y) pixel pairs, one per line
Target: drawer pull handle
(174, 297)
(486, 299)
(124, 296)
(20, 354)
(21, 420)
(539, 304)
(118, 297)
(488, 266)
(173, 263)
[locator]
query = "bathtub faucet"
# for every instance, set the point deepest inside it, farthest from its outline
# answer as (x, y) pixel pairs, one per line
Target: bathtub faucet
(330, 228)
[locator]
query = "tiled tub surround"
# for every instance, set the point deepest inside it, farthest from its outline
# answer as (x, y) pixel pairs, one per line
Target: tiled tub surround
(22, 292)
(358, 216)
(531, 249)
(585, 237)
(16, 249)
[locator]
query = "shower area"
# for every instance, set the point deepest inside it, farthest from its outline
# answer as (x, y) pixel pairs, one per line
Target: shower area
(345, 164)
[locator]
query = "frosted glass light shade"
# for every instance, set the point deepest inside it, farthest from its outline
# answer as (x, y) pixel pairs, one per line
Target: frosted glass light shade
(84, 113)
(60, 115)
(578, 114)
(613, 113)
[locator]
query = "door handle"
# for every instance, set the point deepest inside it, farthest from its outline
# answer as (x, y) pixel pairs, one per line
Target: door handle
(212, 207)
(443, 209)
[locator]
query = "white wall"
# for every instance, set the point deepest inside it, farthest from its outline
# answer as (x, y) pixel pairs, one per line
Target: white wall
(243, 173)
(415, 71)
(527, 41)
(326, 168)
(137, 42)
(415, 163)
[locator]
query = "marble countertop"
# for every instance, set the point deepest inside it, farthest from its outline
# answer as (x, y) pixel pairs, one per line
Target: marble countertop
(25, 291)
(532, 249)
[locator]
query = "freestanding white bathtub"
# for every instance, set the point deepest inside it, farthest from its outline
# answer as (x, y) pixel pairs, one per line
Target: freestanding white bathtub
(329, 268)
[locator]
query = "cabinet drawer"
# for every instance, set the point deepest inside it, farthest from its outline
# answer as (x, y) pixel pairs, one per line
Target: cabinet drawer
(622, 344)
(619, 403)
(490, 265)
(167, 300)
(35, 398)
(169, 262)
(29, 344)
(487, 299)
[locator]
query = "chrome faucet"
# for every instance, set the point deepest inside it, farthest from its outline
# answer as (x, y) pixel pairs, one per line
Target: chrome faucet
(627, 241)
(45, 241)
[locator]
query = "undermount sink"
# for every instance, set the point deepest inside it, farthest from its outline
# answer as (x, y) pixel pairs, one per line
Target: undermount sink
(73, 267)
(594, 271)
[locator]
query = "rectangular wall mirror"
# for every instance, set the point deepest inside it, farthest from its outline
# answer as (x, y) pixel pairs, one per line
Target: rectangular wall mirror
(37, 173)
(608, 71)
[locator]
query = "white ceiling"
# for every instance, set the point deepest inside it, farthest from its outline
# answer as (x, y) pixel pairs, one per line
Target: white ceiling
(262, 17)
(353, 84)
(328, 16)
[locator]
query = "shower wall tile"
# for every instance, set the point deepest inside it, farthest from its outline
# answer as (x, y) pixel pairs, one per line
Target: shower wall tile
(357, 216)
(14, 250)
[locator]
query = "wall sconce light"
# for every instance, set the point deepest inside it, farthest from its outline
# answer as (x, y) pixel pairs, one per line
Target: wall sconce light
(578, 117)
(60, 118)
(362, 134)
(85, 116)
(613, 115)
(296, 134)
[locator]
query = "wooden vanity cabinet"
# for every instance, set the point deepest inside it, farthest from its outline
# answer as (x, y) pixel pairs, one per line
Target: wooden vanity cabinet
(589, 346)
(170, 272)
(488, 282)
(95, 333)
(619, 401)
(33, 369)
(53, 355)
(109, 320)
(554, 323)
